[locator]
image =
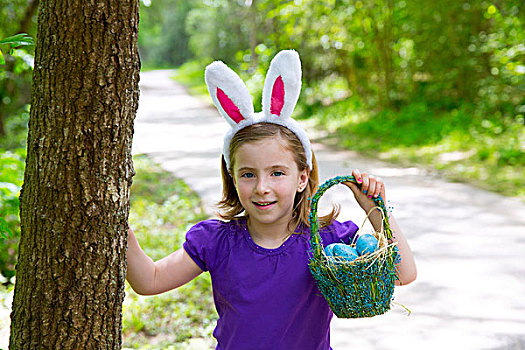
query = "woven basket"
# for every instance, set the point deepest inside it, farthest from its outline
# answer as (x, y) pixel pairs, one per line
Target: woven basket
(363, 287)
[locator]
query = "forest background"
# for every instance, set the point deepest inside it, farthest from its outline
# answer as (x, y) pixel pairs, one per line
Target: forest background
(438, 85)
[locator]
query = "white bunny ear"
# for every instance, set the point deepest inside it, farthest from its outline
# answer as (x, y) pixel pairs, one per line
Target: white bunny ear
(282, 84)
(229, 93)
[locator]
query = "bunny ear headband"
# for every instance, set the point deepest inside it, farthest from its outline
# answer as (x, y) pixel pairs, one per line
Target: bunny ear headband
(280, 93)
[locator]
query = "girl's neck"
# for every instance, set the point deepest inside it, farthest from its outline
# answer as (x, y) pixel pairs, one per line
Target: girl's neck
(269, 236)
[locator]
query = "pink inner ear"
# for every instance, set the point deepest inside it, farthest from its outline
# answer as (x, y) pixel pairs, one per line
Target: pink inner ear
(277, 96)
(229, 107)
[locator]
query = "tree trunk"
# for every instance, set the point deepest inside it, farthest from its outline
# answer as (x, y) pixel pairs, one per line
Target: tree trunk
(74, 203)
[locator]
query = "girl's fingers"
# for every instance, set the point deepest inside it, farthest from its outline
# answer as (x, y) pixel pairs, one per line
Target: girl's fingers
(365, 184)
(357, 175)
(372, 188)
(379, 187)
(368, 187)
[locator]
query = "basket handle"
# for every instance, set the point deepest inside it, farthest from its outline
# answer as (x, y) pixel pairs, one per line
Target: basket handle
(315, 238)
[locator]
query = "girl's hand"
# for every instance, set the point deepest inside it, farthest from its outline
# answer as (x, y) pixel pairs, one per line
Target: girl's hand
(369, 187)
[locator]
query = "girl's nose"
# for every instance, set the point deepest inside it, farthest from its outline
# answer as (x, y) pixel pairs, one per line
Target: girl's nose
(262, 186)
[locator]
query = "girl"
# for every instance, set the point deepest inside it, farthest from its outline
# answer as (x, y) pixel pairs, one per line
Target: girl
(258, 256)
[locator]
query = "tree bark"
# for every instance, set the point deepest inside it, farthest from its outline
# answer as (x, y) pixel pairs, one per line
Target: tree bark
(74, 203)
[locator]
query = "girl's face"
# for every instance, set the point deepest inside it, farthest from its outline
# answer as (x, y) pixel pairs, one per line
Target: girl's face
(267, 179)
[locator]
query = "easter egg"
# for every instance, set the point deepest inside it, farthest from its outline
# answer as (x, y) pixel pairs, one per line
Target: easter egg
(366, 244)
(344, 251)
(328, 250)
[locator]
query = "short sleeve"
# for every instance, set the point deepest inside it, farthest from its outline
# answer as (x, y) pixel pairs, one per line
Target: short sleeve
(204, 242)
(197, 243)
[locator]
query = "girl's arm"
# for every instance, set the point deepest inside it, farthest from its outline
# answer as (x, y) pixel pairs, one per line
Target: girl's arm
(371, 187)
(406, 268)
(147, 277)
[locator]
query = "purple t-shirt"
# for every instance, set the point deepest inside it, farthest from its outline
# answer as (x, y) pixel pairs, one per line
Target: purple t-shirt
(265, 298)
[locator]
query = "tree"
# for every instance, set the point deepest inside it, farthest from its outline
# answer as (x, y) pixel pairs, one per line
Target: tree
(74, 202)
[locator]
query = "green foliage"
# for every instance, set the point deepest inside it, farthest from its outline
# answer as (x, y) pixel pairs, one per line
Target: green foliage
(11, 12)
(15, 77)
(218, 29)
(15, 87)
(16, 127)
(390, 53)
(12, 164)
(163, 40)
(18, 27)
(162, 210)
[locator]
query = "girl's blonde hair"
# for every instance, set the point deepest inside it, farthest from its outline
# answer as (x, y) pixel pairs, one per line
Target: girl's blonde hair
(230, 206)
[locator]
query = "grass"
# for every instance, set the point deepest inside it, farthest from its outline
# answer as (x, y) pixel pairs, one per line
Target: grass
(459, 144)
(162, 209)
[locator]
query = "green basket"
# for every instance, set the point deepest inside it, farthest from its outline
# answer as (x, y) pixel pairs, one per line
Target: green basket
(363, 287)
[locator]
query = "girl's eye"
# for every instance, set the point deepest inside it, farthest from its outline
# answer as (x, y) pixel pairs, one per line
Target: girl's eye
(247, 175)
(278, 173)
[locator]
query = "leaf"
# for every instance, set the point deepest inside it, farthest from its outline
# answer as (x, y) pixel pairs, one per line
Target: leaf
(21, 39)
(2, 60)
(12, 38)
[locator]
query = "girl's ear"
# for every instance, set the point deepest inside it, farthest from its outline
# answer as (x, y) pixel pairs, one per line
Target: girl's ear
(303, 180)
(282, 84)
(228, 92)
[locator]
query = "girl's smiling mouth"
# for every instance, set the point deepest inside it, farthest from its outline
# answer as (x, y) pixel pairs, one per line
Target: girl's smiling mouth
(264, 204)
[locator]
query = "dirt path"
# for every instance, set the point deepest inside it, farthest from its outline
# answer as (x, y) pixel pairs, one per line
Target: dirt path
(469, 244)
